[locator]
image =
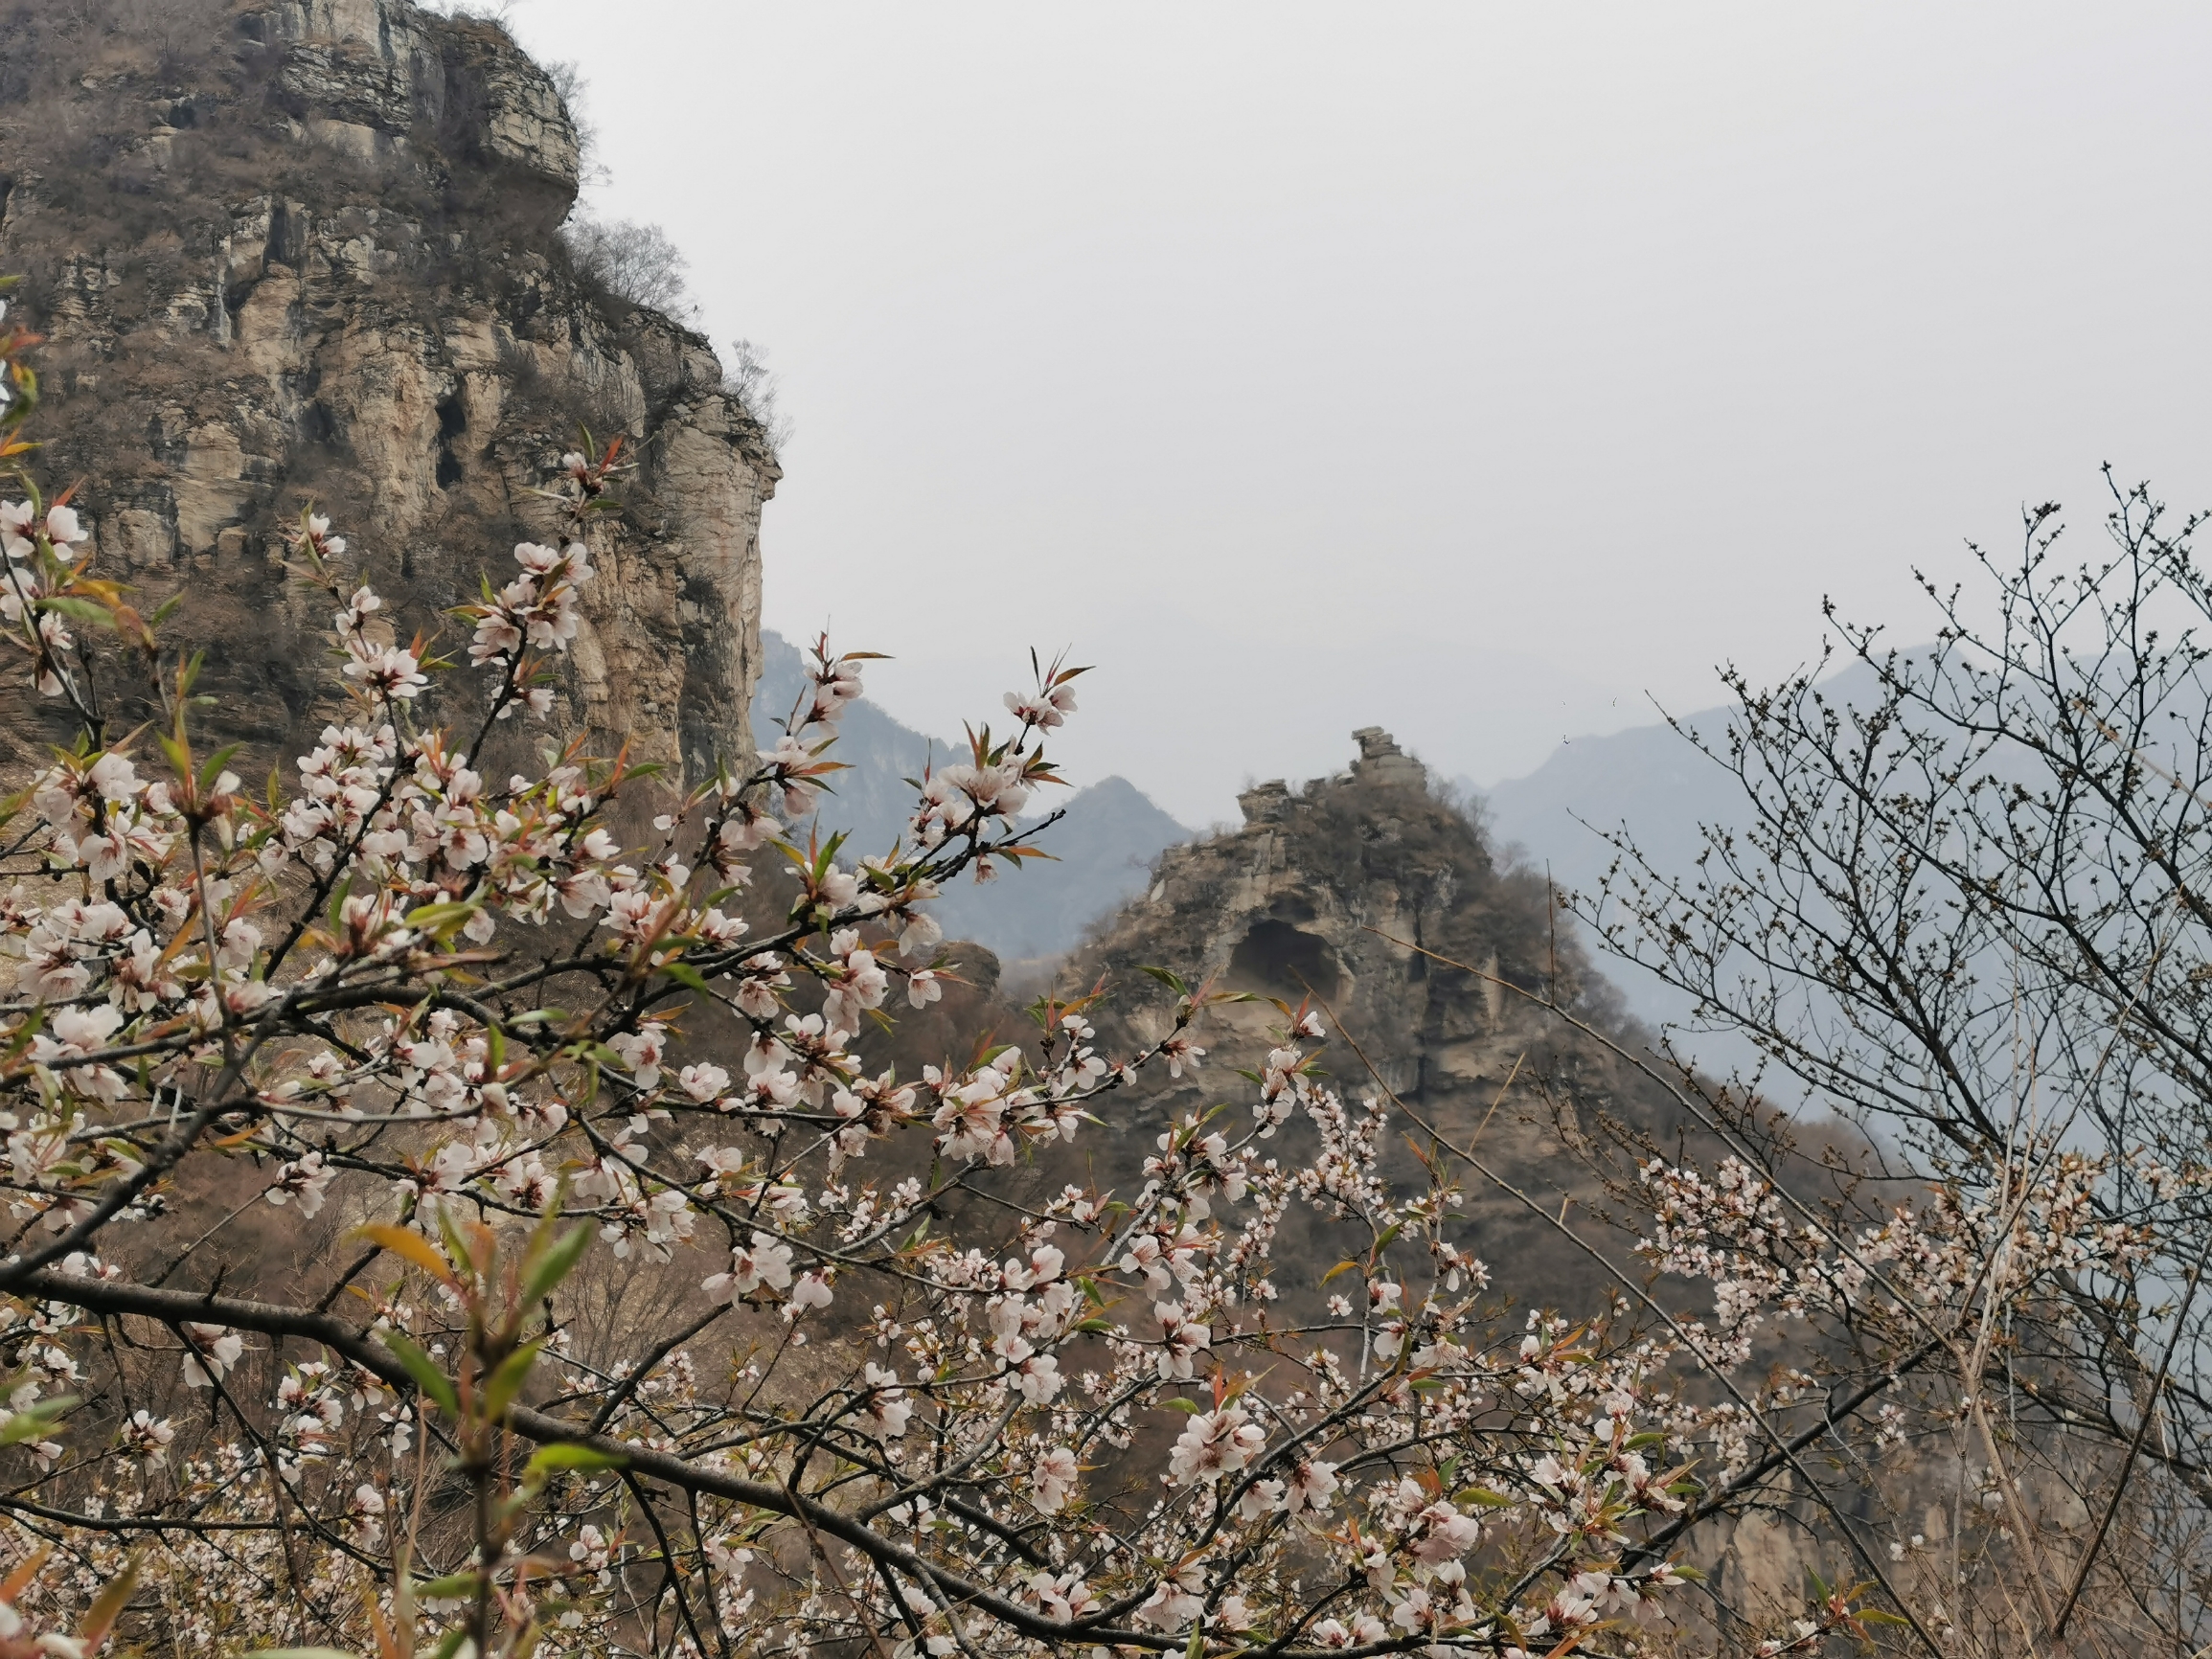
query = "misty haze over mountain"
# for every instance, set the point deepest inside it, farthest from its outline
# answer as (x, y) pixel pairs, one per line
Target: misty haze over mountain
(1470, 372)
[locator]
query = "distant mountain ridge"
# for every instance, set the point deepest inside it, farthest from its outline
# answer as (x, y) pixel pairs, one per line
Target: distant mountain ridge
(1653, 781)
(1648, 778)
(1103, 848)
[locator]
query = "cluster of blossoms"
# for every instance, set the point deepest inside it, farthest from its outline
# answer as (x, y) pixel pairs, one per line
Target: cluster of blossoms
(36, 551)
(2035, 1227)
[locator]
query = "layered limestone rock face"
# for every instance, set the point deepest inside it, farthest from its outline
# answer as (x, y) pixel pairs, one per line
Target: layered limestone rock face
(361, 74)
(308, 251)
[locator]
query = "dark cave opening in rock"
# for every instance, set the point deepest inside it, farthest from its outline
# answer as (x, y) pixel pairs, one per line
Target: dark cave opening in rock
(1278, 960)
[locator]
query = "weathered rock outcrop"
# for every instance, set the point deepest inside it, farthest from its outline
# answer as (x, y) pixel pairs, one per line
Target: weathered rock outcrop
(307, 250)
(1311, 897)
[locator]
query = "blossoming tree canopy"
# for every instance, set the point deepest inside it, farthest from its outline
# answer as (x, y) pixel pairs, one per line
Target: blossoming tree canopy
(338, 984)
(894, 1405)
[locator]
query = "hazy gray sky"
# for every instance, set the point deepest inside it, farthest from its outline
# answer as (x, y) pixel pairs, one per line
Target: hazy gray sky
(1472, 371)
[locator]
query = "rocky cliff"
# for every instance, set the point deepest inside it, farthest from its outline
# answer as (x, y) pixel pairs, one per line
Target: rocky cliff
(293, 250)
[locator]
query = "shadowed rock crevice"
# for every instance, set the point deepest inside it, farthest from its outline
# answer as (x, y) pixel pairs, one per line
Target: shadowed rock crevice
(1275, 959)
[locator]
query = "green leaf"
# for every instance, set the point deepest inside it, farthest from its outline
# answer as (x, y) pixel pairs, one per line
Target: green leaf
(1099, 1326)
(34, 1421)
(339, 894)
(548, 1270)
(425, 1370)
(439, 917)
(570, 1458)
(505, 1382)
(1187, 1407)
(1483, 1496)
(1167, 979)
(456, 1247)
(686, 975)
(215, 763)
(82, 611)
(452, 1587)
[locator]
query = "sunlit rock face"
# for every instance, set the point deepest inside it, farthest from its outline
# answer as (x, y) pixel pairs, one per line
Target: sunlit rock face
(306, 252)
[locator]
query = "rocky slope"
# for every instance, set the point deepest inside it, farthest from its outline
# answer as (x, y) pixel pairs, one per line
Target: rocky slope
(1311, 897)
(293, 250)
